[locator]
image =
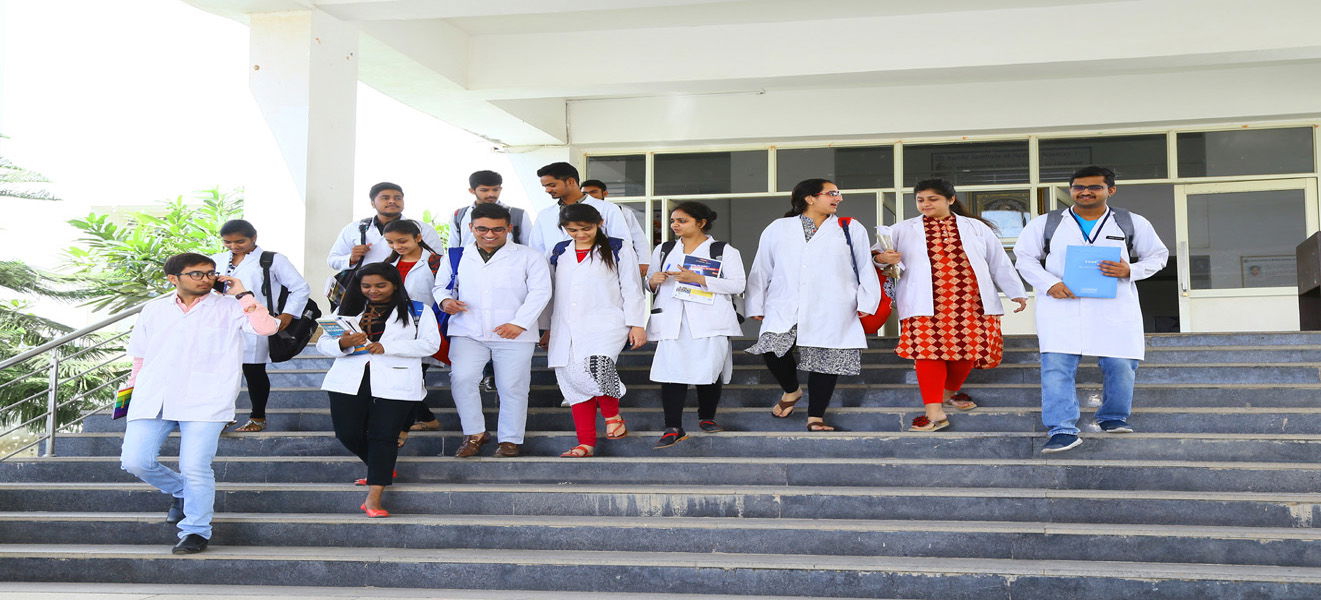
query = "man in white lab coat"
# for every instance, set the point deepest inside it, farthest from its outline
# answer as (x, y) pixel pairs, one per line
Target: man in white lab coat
(485, 187)
(560, 180)
(1070, 327)
(363, 241)
(187, 352)
(597, 189)
(496, 298)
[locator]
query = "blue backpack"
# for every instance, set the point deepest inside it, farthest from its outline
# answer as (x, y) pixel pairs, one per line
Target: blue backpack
(615, 244)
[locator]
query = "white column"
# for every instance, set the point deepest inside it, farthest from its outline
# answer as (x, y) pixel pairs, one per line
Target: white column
(304, 76)
(526, 160)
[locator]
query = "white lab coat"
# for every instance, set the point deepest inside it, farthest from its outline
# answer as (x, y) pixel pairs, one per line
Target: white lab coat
(513, 287)
(420, 280)
(639, 237)
(461, 235)
(191, 362)
(547, 231)
(812, 284)
(338, 259)
(705, 320)
(1089, 326)
(395, 374)
(990, 263)
(594, 306)
(256, 348)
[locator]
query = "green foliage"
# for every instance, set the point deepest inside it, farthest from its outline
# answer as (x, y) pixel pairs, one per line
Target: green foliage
(121, 264)
(441, 224)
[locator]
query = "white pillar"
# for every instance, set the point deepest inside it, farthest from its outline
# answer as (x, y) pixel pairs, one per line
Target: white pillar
(304, 76)
(526, 160)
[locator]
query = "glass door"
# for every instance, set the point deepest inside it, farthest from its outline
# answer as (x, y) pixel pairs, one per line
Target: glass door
(1235, 247)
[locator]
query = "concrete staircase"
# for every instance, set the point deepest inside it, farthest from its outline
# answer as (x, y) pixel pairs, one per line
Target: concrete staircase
(1217, 497)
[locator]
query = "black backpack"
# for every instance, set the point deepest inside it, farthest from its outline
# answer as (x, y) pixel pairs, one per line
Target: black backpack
(287, 343)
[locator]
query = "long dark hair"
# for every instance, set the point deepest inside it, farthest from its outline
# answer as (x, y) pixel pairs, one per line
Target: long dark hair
(406, 227)
(946, 189)
(581, 212)
(355, 301)
(804, 189)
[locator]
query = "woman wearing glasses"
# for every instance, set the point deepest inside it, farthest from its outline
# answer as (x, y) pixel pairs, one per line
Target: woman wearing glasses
(949, 310)
(810, 278)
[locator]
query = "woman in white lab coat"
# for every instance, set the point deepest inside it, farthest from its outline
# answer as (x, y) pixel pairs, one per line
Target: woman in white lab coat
(598, 307)
(692, 337)
(810, 281)
(376, 380)
(949, 310)
(242, 259)
(413, 257)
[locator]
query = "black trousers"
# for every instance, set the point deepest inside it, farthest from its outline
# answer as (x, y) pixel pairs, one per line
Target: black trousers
(369, 428)
(820, 386)
(259, 388)
(674, 394)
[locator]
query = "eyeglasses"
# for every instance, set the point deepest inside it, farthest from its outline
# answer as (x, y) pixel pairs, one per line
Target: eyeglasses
(1087, 188)
(480, 229)
(831, 193)
(200, 275)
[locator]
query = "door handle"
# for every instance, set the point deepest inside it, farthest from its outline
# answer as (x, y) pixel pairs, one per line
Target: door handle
(1181, 259)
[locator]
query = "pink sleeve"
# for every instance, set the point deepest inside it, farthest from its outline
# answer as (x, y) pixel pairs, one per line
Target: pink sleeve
(262, 322)
(133, 375)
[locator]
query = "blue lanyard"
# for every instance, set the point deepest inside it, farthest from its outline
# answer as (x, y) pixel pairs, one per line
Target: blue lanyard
(1096, 230)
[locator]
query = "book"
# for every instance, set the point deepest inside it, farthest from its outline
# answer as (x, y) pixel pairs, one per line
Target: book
(691, 292)
(122, 399)
(338, 326)
(1082, 271)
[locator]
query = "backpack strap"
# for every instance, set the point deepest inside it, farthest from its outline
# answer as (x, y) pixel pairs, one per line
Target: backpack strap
(718, 250)
(557, 251)
(455, 254)
(844, 223)
(456, 228)
(515, 221)
(1123, 218)
(666, 249)
(362, 229)
(1053, 219)
(433, 261)
(266, 260)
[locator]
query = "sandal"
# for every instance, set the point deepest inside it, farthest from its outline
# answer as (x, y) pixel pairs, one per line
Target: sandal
(961, 401)
(579, 451)
(403, 438)
(252, 426)
(819, 426)
(922, 423)
(433, 425)
(615, 428)
(783, 409)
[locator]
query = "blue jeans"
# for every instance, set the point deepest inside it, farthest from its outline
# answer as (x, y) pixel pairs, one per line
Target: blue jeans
(195, 482)
(1059, 396)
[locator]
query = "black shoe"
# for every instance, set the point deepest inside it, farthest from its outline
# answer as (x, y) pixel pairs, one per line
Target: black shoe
(710, 426)
(1061, 442)
(175, 513)
(488, 384)
(672, 436)
(1115, 426)
(190, 544)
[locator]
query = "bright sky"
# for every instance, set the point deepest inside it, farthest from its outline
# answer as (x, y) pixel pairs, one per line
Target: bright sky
(128, 103)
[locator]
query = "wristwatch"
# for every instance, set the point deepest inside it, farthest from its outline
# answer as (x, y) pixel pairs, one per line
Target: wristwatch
(243, 293)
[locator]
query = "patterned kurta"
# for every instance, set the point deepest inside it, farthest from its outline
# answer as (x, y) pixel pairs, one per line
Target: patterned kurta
(960, 329)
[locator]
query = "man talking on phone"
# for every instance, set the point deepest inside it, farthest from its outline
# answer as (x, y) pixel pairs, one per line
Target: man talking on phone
(187, 351)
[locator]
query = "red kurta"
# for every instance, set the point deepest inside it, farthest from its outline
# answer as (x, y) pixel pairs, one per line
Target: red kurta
(960, 329)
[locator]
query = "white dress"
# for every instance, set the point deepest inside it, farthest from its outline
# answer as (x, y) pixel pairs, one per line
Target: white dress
(692, 339)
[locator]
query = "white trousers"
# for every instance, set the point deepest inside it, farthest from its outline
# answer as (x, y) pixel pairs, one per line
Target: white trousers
(513, 376)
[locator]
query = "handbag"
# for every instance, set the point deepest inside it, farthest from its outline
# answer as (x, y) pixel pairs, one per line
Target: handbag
(122, 399)
(340, 282)
(288, 342)
(870, 324)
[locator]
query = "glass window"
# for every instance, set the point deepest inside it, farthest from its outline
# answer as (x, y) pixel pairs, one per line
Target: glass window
(1245, 239)
(710, 173)
(622, 175)
(1246, 152)
(1131, 156)
(849, 168)
(967, 164)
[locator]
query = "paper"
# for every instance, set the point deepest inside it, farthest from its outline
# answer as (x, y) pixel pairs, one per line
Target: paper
(691, 292)
(338, 326)
(1082, 271)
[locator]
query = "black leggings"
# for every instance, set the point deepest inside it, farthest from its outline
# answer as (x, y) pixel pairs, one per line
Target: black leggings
(369, 427)
(672, 398)
(820, 386)
(259, 388)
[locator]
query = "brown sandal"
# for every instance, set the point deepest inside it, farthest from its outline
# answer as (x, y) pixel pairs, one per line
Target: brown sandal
(615, 428)
(403, 439)
(783, 409)
(961, 401)
(252, 426)
(579, 451)
(922, 423)
(819, 426)
(425, 426)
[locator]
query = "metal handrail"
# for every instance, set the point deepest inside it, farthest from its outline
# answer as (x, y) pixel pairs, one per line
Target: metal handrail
(53, 402)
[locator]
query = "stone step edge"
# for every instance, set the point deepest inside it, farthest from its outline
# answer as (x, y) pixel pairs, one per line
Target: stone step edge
(892, 410)
(723, 561)
(797, 435)
(175, 591)
(913, 386)
(706, 523)
(906, 367)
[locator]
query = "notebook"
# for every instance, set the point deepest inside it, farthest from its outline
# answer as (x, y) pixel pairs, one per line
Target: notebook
(1082, 271)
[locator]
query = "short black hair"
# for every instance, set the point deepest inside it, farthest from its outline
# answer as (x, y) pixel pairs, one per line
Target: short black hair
(491, 210)
(240, 227)
(480, 178)
(381, 187)
(559, 170)
(175, 265)
(698, 211)
(595, 183)
(1094, 171)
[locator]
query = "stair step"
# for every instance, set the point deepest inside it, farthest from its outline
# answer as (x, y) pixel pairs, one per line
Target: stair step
(750, 574)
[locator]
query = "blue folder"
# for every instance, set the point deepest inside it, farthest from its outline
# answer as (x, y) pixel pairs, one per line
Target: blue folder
(1082, 271)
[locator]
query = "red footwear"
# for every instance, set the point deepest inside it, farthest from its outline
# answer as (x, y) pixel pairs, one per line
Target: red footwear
(363, 481)
(373, 513)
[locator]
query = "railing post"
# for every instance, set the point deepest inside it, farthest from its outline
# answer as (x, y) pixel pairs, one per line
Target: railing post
(52, 402)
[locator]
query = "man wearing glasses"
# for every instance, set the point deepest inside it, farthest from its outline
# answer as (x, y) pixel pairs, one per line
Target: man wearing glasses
(1070, 327)
(495, 298)
(187, 352)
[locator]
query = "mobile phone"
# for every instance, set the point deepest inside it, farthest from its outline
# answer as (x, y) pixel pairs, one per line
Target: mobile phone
(220, 286)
